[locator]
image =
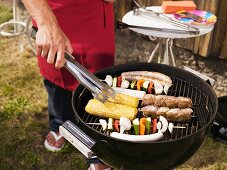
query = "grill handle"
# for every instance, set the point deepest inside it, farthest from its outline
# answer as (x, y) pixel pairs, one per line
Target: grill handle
(207, 79)
(79, 134)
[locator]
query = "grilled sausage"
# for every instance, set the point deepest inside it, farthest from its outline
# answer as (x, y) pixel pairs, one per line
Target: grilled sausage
(166, 101)
(174, 114)
(148, 75)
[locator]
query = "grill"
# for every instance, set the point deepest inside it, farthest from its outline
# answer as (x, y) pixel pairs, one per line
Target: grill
(174, 149)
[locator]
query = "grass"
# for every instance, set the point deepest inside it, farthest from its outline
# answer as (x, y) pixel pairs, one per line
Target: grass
(5, 14)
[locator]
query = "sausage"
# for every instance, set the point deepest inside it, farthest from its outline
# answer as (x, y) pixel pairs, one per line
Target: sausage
(184, 102)
(138, 138)
(174, 114)
(149, 110)
(148, 99)
(166, 101)
(148, 75)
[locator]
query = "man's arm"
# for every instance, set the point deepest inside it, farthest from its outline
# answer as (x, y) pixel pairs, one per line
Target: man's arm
(51, 42)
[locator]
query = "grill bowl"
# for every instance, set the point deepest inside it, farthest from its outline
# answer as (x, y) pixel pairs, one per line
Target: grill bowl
(167, 153)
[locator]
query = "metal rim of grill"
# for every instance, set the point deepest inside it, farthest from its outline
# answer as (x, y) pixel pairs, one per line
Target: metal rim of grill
(202, 111)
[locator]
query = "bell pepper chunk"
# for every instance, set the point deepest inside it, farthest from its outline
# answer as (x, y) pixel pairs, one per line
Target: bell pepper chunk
(139, 84)
(142, 126)
(135, 123)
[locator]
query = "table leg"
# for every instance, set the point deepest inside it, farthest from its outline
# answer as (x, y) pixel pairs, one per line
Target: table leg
(168, 52)
(171, 52)
(153, 53)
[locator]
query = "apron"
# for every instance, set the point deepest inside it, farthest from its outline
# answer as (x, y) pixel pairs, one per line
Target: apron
(89, 25)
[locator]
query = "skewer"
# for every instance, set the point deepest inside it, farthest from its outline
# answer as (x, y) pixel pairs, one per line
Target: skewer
(177, 127)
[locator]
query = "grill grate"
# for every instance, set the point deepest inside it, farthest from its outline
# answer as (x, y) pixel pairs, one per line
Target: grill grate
(202, 111)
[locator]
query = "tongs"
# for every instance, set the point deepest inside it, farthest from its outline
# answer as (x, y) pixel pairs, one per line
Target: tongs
(122, 25)
(99, 90)
(150, 12)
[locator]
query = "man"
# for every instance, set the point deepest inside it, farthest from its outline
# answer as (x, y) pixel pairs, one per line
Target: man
(84, 28)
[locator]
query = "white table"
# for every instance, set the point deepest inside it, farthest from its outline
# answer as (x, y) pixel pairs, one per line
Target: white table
(154, 21)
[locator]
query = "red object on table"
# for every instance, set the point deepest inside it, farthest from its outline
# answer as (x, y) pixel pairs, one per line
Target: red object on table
(169, 7)
(89, 27)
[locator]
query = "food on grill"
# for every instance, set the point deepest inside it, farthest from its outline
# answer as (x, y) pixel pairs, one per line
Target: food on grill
(142, 126)
(110, 124)
(145, 81)
(147, 75)
(110, 110)
(139, 84)
(158, 88)
(125, 100)
(116, 125)
(170, 127)
(125, 124)
(103, 123)
(136, 125)
(119, 80)
(184, 102)
(145, 126)
(168, 101)
(154, 123)
(114, 82)
(125, 84)
(129, 92)
(133, 84)
(150, 88)
(138, 138)
(109, 80)
(166, 89)
(162, 125)
(145, 85)
(174, 114)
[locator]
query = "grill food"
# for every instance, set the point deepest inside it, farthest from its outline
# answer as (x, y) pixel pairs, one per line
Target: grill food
(174, 114)
(166, 101)
(125, 100)
(110, 110)
(147, 75)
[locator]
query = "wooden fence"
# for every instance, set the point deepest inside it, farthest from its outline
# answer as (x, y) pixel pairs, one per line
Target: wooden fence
(213, 44)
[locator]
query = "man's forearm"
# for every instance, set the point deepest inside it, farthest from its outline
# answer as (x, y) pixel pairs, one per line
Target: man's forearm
(40, 12)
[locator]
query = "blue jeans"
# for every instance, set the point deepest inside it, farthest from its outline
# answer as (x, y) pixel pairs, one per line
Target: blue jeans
(59, 105)
(60, 108)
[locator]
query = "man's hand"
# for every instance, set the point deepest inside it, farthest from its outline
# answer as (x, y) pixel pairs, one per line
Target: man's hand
(51, 43)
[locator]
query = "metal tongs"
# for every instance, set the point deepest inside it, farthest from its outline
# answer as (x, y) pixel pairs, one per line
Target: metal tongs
(149, 12)
(99, 90)
(122, 25)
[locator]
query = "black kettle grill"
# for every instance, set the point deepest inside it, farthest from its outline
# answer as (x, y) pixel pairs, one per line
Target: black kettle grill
(174, 149)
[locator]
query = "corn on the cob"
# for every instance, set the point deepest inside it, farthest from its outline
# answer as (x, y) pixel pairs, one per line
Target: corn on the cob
(125, 100)
(110, 110)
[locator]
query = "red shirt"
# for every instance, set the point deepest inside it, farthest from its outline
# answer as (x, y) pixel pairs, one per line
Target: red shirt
(89, 26)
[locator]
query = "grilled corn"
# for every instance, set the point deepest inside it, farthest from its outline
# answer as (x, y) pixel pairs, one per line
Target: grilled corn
(110, 110)
(125, 100)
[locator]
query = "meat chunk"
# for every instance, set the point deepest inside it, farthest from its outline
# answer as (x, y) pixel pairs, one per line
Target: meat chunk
(166, 101)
